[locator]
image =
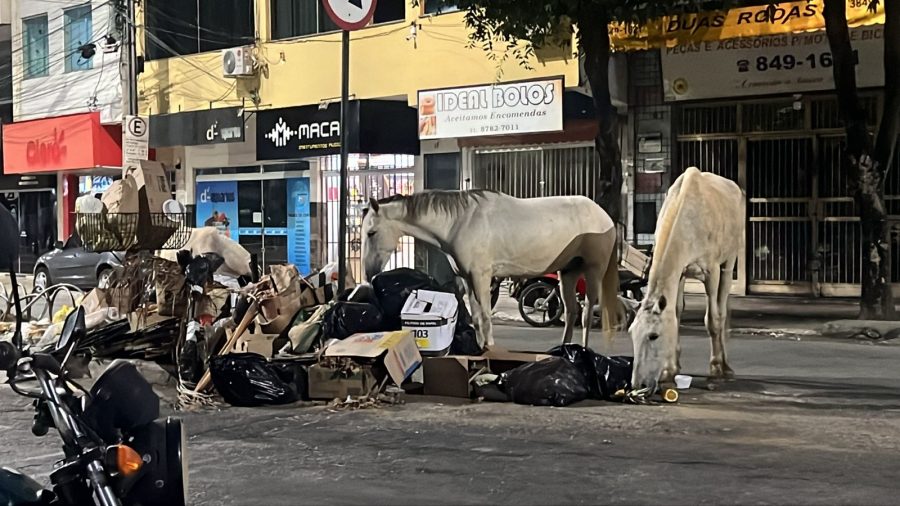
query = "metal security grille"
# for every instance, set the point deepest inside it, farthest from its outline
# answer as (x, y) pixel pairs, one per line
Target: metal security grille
(803, 233)
(362, 184)
(537, 172)
(780, 195)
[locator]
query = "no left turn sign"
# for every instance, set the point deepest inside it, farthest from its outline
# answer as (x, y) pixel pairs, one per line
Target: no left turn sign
(350, 14)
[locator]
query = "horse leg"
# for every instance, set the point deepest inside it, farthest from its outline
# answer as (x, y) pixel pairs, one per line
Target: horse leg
(713, 321)
(593, 280)
(679, 310)
(719, 356)
(567, 285)
(481, 292)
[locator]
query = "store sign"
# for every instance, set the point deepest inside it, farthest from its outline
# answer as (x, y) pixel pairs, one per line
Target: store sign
(298, 223)
(197, 128)
(784, 19)
(298, 132)
(217, 206)
(75, 141)
(514, 108)
(791, 63)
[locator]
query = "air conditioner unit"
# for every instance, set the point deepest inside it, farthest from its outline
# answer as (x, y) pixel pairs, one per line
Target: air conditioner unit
(236, 62)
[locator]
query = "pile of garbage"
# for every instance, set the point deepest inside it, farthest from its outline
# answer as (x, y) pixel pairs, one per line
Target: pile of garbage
(282, 338)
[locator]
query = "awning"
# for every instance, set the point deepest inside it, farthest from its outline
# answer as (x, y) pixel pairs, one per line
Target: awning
(789, 17)
(77, 141)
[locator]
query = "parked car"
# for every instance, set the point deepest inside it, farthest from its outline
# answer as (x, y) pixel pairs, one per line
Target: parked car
(71, 263)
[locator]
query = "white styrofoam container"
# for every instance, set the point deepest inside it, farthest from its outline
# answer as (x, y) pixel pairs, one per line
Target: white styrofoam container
(431, 316)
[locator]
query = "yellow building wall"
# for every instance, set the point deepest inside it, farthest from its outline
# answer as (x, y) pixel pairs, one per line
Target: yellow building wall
(384, 63)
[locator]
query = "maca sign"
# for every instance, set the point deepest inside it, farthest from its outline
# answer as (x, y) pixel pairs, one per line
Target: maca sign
(71, 142)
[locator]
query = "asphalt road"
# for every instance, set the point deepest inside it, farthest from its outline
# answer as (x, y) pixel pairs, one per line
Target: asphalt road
(809, 421)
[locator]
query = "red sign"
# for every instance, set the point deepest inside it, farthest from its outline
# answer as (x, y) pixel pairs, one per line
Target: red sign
(62, 143)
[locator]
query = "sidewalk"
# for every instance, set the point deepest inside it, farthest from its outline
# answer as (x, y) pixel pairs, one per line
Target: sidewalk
(763, 315)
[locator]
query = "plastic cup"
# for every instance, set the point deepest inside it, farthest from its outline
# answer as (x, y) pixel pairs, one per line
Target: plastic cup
(682, 381)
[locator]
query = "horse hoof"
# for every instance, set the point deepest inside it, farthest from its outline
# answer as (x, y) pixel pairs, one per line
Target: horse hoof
(717, 371)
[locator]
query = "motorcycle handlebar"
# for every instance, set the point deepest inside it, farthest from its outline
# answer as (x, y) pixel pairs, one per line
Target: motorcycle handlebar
(46, 362)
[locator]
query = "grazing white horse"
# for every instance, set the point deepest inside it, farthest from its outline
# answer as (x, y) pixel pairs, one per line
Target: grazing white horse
(489, 234)
(701, 231)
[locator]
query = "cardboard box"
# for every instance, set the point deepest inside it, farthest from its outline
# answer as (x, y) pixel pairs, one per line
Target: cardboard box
(327, 383)
(153, 184)
(431, 317)
(398, 348)
(451, 376)
(256, 343)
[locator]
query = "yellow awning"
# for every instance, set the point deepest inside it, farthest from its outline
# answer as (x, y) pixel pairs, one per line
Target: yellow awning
(792, 17)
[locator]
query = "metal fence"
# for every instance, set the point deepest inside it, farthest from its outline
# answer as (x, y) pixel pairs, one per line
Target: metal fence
(545, 171)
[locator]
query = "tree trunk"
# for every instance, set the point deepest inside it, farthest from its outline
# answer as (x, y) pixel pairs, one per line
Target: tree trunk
(867, 171)
(593, 38)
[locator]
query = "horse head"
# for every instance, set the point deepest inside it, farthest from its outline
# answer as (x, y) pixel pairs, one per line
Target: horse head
(380, 233)
(654, 334)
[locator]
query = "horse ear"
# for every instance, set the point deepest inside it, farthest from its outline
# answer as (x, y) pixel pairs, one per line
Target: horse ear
(662, 303)
(373, 205)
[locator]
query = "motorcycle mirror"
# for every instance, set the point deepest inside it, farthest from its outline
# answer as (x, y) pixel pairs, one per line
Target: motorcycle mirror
(73, 329)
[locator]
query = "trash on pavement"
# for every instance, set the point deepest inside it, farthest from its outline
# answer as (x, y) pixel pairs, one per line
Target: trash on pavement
(333, 382)
(453, 375)
(551, 382)
(247, 379)
(344, 319)
(393, 288)
(605, 375)
(431, 317)
(683, 381)
(397, 350)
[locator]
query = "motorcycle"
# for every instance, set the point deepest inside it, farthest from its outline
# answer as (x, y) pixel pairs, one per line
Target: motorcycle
(540, 303)
(116, 450)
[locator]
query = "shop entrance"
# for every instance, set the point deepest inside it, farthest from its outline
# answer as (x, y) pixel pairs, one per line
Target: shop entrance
(36, 212)
(803, 236)
(375, 176)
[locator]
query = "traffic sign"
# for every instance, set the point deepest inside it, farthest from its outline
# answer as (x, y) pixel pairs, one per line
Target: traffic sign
(135, 142)
(350, 14)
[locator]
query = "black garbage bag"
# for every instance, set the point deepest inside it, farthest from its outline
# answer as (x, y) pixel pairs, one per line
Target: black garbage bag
(361, 293)
(465, 342)
(393, 288)
(551, 382)
(248, 379)
(605, 375)
(344, 319)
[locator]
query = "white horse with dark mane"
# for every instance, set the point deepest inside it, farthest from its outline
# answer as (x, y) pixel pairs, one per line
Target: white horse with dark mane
(700, 229)
(489, 234)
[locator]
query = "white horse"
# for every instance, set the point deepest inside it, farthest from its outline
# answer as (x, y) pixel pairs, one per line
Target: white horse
(487, 234)
(700, 232)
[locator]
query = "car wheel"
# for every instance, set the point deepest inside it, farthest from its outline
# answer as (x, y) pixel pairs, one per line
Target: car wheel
(103, 278)
(41, 280)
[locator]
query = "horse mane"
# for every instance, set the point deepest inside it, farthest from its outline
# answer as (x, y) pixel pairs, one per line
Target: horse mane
(663, 239)
(449, 202)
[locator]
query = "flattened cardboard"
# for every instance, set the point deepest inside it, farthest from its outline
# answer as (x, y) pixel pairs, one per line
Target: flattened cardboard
(431, 316)
(401, 355)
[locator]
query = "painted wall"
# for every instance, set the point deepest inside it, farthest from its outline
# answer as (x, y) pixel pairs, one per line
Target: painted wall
(63, 92)
(385, 62)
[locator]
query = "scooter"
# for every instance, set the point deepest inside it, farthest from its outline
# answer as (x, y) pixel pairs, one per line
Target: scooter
(116, 452)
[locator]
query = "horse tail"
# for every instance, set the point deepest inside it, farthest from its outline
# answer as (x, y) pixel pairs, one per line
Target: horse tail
(609, 295)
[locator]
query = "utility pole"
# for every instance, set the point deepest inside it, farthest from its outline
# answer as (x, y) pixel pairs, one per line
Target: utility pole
(345, 150)
(129, 60)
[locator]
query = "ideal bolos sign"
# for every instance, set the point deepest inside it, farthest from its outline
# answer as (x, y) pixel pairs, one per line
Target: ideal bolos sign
(511, 108)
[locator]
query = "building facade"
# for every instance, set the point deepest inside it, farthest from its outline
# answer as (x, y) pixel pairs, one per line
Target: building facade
(63, 137)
